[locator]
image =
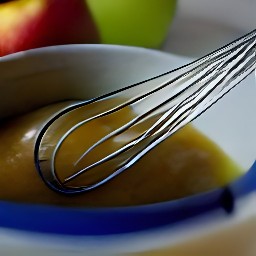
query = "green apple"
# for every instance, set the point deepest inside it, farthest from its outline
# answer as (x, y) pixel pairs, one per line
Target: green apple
(133, 22)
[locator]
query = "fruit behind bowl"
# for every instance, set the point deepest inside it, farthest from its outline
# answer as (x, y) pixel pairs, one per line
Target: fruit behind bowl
(28, 24)
(130, 22)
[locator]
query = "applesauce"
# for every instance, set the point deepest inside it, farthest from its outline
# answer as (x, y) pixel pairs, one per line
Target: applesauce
(185, 164)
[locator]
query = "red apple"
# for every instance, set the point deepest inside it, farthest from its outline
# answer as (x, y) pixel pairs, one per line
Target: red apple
(27, 24)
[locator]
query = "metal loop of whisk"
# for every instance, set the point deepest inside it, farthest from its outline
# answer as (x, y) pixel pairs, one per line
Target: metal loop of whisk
(173, 99)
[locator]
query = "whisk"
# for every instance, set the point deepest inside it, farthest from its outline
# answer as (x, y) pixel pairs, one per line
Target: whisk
(166, 103)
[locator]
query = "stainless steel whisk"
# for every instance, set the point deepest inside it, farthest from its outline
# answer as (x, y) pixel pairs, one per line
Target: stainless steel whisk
(171, 100)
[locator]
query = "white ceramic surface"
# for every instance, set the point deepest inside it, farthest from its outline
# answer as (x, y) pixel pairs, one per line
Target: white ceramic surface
(45, 75)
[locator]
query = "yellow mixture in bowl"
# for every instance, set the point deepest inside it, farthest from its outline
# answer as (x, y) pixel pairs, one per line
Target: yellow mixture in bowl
(185, 164)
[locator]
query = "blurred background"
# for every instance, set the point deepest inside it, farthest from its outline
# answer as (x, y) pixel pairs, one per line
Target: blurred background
(185, 27)
(201, 26)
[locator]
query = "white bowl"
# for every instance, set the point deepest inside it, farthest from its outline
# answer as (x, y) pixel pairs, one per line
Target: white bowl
(38, 77)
